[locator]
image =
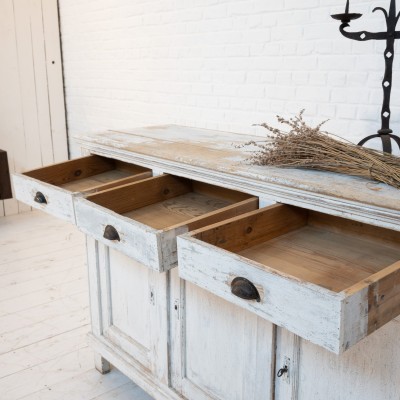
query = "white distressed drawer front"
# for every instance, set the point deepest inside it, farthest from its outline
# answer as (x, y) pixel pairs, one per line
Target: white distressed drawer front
(285, 302)
(136, 240)
(329, 280)
(58, 201)
(144, 218)
(53, 188)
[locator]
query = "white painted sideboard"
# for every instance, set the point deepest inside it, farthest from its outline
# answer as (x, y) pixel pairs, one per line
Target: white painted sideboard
(164, 313)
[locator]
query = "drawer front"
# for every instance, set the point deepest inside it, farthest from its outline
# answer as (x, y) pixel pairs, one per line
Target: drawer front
(133, 239)
(45, 197)
(52, 188)
(327, 279)
(311, 312)
(143, 219)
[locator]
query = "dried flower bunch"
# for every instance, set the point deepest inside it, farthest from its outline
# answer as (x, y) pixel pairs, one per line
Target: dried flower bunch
(306, 147)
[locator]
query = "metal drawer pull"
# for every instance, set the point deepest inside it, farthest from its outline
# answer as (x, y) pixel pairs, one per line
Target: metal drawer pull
(111, 233)
(243, 288)
(39, 198)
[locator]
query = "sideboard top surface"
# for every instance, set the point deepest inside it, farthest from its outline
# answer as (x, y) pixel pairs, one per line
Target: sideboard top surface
(213, 156)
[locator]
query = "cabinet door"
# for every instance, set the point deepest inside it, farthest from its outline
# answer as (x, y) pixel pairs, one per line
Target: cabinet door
(370, 370)
(129, 307)
(219, 350)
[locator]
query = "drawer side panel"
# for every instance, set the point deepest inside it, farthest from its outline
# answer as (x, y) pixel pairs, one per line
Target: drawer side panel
(354, 318)
(384, 297)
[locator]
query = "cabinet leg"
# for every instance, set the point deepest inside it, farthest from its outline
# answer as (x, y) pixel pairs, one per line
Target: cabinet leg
(101, 364)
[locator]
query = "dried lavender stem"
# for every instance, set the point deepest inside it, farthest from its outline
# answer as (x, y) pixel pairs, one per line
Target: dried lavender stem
(309, 147)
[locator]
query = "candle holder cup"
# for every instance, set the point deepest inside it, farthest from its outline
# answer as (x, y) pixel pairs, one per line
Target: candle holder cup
(346, 17)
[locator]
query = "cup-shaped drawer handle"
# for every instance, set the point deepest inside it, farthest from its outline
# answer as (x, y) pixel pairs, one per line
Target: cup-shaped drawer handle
(243, 288)
(39, 198)
(111, 233)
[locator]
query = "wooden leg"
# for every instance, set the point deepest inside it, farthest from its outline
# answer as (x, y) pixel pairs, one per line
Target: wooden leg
(101, 364)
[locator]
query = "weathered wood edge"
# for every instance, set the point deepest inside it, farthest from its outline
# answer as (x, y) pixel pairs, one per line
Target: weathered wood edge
(354, 319)
(168, 248)
(341, 207)
(128, 366)
(371, 301)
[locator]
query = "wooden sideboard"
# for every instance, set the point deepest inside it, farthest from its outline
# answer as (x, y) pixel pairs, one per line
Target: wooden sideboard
(211, 278)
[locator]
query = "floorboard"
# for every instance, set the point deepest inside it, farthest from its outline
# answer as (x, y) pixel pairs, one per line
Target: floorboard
(44, 316)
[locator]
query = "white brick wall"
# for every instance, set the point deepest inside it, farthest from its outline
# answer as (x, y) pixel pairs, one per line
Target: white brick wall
(223, 64)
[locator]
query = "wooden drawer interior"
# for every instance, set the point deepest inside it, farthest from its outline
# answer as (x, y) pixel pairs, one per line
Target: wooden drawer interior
(166, 202)
(328, 251)
(92, 173)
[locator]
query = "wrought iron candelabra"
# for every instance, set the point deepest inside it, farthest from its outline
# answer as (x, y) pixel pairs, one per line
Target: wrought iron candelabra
(385, 133)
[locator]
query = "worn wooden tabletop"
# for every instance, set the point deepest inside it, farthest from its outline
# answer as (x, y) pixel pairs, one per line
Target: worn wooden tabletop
(213, 156)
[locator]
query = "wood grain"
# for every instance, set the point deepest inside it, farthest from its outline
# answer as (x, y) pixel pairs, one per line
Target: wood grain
(96, 180)
(219, 215)
(176, 210)
(212, 157)
(314, 247)
(105, 180)
(137, 195)
(356, 228)
(384, 299)
(84, 173)
(219, 192)
(255, 227)
(383, 295)
(79, 168)
(332, 260)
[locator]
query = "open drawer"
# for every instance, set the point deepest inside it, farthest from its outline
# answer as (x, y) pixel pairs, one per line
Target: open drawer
(143, 219)
(52, 188)
(327, 279)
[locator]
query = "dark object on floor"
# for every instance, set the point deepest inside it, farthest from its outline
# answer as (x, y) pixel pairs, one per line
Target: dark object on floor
(5, 182)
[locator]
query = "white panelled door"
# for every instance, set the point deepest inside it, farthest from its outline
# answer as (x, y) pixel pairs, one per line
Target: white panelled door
(32, 112)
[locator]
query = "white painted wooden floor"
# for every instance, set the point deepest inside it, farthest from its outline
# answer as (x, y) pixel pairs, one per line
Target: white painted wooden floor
(44, 316)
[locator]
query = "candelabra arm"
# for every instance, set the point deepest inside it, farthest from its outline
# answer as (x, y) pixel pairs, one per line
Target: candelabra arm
(381, 9)
(385, 134)
(363, 36)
